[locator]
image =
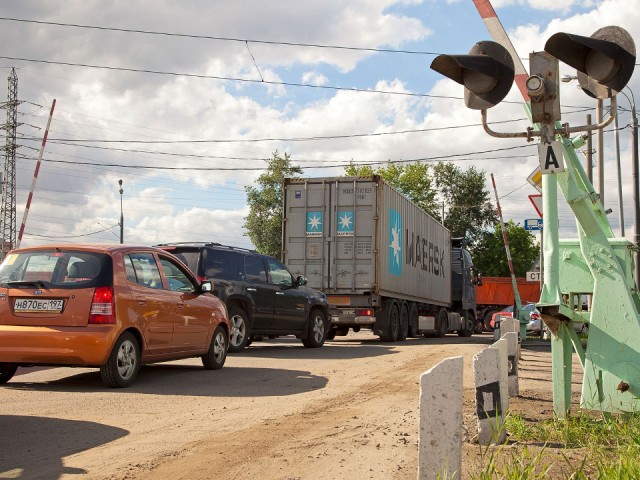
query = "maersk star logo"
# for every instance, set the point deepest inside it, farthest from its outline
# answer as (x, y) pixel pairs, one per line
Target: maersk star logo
(314, 224)
(345, 223)
(395, 242)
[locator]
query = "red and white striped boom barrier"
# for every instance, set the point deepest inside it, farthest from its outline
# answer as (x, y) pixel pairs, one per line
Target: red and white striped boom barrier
(35, 176)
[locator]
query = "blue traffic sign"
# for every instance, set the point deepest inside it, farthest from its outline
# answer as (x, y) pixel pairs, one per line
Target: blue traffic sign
(533, 224)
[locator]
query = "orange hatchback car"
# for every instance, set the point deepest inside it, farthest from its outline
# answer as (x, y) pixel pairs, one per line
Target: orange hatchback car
(113, 307)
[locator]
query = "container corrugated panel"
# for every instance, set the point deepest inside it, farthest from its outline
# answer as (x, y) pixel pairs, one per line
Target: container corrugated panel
(415, 251)
(356, 235)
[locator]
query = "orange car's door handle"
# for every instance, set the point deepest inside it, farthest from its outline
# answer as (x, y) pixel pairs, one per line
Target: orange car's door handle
(181, 305)
(141, 301)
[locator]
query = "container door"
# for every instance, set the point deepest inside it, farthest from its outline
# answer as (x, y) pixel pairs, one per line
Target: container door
(353, 226)
(306, 240)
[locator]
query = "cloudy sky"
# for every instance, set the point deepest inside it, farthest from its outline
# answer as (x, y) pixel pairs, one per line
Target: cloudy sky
(185, 101)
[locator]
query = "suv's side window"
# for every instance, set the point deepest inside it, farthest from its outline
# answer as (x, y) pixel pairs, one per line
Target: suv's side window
(146, 270)
(220, 264)
(254, 269)
(279, 274)
(178, 280)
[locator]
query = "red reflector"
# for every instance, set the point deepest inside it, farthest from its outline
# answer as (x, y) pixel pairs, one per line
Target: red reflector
(366, 312)
(102, 307)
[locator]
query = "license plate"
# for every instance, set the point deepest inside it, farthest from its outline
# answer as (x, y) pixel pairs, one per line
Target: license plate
(37, 305)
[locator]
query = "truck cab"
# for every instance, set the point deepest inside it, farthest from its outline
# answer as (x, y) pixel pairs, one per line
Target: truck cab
(463, 279)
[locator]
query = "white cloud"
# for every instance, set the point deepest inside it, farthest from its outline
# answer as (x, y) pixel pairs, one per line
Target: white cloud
(314, 78)
(173, 205)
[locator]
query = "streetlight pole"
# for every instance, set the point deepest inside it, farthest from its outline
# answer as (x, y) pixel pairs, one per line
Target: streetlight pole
(121, 214)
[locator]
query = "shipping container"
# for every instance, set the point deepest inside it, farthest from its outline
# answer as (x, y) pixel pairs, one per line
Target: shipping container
(383, 262)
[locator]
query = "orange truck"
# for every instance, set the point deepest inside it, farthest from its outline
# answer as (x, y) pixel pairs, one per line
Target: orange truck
(496, 293)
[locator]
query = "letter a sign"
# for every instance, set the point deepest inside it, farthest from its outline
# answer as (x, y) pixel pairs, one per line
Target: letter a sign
(551, 160)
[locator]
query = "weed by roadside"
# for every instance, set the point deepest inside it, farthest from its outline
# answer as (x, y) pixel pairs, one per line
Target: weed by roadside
(583, 446)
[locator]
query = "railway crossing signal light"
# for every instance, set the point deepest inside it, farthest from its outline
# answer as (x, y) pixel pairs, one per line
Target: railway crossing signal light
(487, 73)
(605, 60)
(543, 88)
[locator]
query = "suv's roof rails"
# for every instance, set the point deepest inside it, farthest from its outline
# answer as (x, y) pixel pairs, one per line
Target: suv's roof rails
(205, 244)
(187, 243)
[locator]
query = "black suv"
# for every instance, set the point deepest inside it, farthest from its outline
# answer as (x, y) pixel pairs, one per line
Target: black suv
(261, 295)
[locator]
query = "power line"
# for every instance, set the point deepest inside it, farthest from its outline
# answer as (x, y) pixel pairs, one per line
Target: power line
(227, 39)
(71, 236)
(283, 139)
(233, 79)
(241, 169)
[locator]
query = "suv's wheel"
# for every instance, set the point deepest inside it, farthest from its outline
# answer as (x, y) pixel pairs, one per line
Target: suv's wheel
(214, 359)
(239, 329)
(7, 371)
(123, 364)
(317, 329)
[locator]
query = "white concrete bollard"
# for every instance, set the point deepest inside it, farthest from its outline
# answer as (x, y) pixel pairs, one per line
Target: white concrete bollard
(503, 371)
(440, 440)
(512, 362)
(512, 325)
(489, 402)
(509, 325)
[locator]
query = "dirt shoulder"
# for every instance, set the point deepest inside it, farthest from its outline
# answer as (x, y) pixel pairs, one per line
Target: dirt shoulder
(276, 411)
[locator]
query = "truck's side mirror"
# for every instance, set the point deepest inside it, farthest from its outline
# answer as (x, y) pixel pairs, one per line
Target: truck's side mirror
(477, 280)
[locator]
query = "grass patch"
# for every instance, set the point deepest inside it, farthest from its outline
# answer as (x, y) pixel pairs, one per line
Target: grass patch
(584, 446)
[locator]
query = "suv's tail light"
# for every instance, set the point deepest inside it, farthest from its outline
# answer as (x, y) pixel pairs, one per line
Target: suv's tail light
(102, 306)
(201, 278)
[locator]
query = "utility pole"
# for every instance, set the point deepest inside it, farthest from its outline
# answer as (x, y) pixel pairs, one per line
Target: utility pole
(8, 208)
(121, 214)
(589, 152)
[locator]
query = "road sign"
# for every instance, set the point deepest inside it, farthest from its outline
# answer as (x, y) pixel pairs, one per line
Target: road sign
(533, 276)
(537, 203)
(533, 224)
(535, 179)
(551, 159)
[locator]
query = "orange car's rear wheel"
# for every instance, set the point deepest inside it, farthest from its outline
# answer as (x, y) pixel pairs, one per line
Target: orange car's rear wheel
(123, 364)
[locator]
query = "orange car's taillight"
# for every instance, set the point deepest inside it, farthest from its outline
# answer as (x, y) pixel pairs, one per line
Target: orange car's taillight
(102, 306)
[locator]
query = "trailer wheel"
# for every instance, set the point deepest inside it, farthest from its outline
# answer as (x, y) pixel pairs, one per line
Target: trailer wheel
(393, 323)
(468, 325)
(413, 321)
(331, 333)
(404, 323)
(443, 323)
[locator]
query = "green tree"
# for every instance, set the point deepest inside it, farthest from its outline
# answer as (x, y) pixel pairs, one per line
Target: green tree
(412, 179)
(463, 192)
(264, 221)
(490, 256)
